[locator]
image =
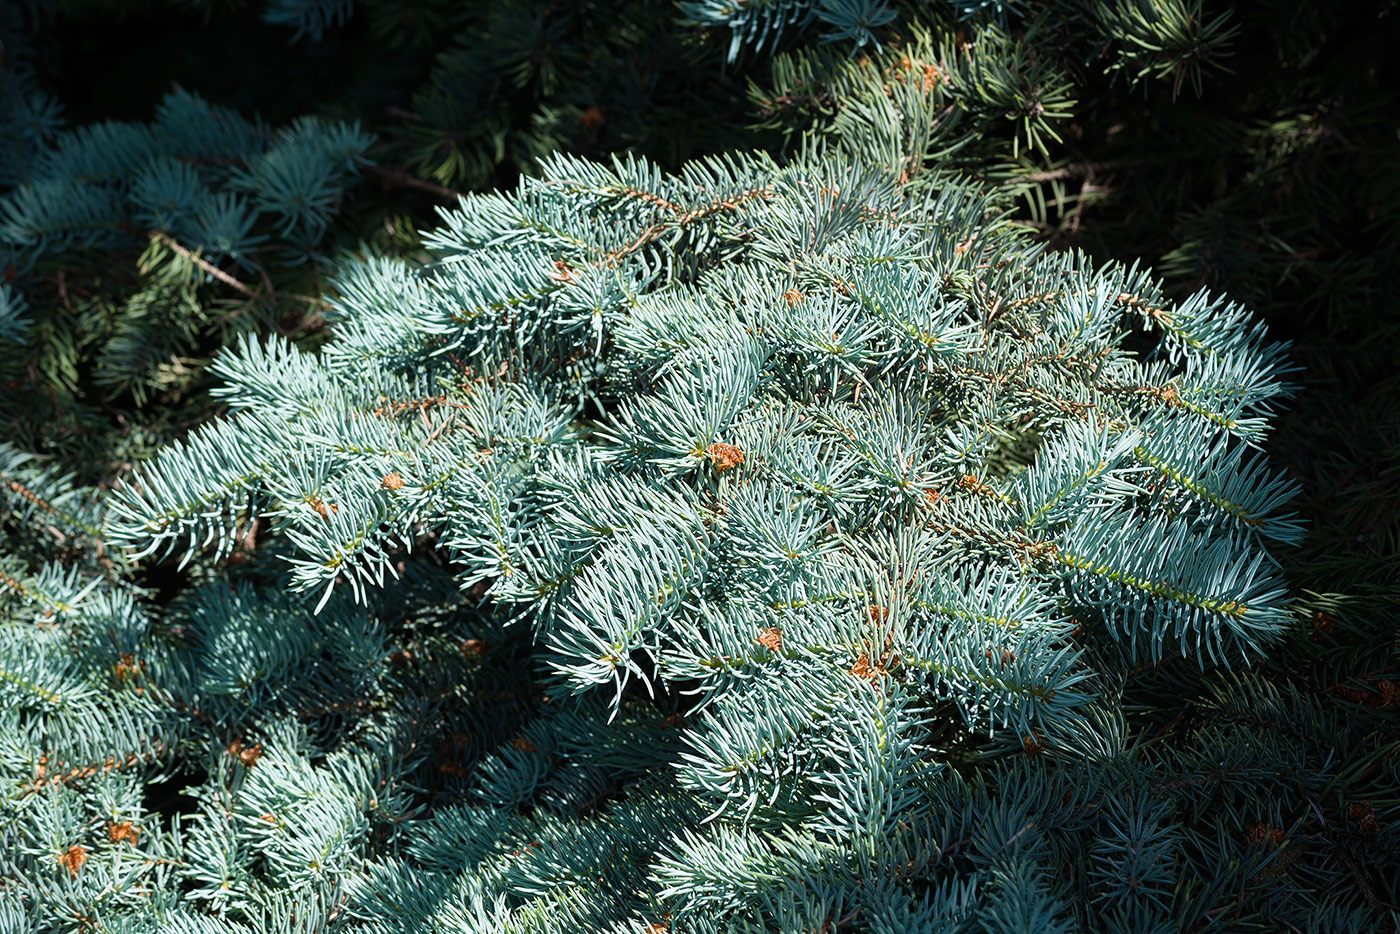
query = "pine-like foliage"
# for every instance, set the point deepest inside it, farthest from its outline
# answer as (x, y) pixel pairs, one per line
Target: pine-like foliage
(769, 545)
(469, 95)
(753, 548)
(139, 248)
(521, 80)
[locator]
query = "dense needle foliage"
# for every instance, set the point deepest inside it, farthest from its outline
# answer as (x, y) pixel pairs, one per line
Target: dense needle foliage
(963, 501)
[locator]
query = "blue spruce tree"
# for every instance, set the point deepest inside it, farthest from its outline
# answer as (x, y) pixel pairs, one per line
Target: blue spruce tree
(757, 546)
(770, 545)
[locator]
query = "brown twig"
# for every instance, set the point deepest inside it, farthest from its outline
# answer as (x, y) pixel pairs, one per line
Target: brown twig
(202, 263)
(1080, 170)
(398, 175)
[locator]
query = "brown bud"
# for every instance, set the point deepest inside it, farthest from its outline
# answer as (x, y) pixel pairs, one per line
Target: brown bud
(724, 456)
(127, 666)
(1260, 833)
(324, 510)
(73, 858)
(122, 832)
(563, 272)
(248, 755)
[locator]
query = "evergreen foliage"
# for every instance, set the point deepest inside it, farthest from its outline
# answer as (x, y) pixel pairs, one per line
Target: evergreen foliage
(142, 240)
(875, 511)
(763, 542)
(487, 89)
